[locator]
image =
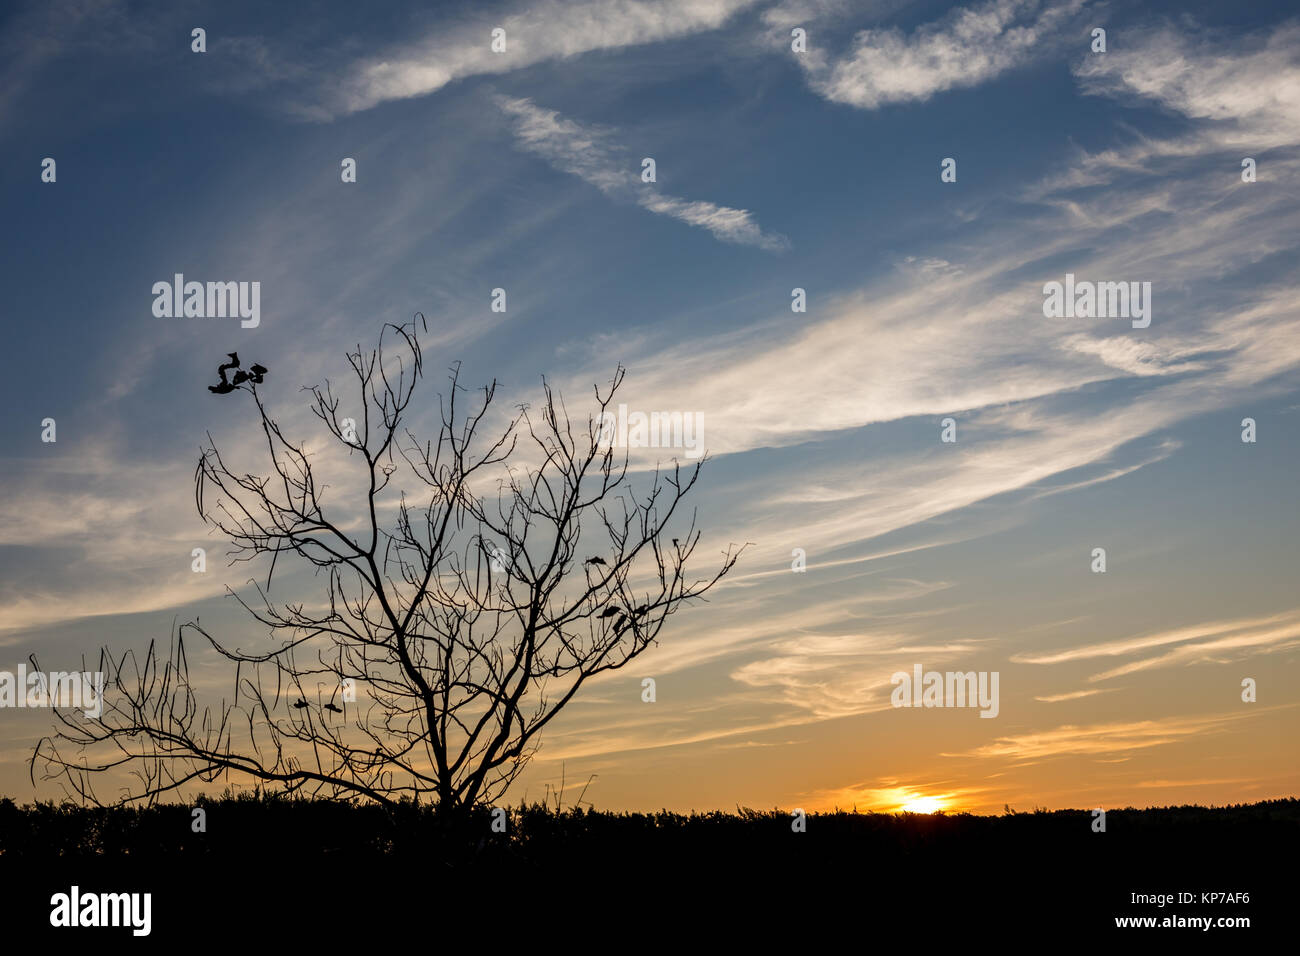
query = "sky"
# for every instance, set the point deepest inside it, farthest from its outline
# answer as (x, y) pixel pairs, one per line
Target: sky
(775, 170)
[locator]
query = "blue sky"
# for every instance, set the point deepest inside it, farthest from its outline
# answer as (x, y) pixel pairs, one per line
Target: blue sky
(775, 170)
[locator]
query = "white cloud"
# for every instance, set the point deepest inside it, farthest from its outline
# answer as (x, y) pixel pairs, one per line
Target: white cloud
(1071, 695)
(1250, 97)
(839, 675)
(965, 48)
(589, 153)
(730, 225)
(794, 13)
(541, 31)
(1223, 649)
(1131, 645)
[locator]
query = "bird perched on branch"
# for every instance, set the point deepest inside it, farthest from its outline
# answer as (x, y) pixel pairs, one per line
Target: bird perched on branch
(330, 706)
(610, 611)
(300, 704)
(600, 561)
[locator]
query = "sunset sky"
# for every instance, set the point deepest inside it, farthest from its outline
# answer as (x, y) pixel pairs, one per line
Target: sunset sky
(776, 170)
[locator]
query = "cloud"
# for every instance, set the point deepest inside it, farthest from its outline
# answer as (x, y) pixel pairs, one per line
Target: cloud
(1247, 91)
(99, 537)
(1132, 645)
(1072, 695)
(1127, 354)
(967, 338)
(543, 31)
(1229, 648)
(588, 153)
(967, 47)
(1106, 739)
(840, 675)
(793, 13)
(1204, 782)
(729, 225)
(1214, 641)
(596, 740)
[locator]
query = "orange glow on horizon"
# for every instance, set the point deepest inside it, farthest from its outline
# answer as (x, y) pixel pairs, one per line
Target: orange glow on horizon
(919, 804)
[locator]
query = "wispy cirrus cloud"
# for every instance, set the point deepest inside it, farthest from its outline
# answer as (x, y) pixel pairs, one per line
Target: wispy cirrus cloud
(1107, 738)
(1071, 695)
(1132, 645)
(1244, 93)
(1219, 650)
(1212, 641)
(793, 13)
(969, 46)
(839, 675)
(589, 153)
(536, 32)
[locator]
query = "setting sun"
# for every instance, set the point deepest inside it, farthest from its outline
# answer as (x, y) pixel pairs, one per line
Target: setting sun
(923, 805)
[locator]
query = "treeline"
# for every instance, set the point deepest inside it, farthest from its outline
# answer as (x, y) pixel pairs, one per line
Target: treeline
(263, 863)
(228, 825)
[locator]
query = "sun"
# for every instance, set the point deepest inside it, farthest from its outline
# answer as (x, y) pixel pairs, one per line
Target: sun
(923, 805)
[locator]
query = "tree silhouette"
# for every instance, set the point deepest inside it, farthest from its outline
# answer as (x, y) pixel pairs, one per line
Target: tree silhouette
(510, 570)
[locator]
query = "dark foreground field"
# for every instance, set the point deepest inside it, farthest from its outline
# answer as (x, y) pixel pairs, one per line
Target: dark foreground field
(298, 871)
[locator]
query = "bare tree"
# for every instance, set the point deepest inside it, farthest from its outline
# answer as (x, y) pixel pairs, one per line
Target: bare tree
(469, 594)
